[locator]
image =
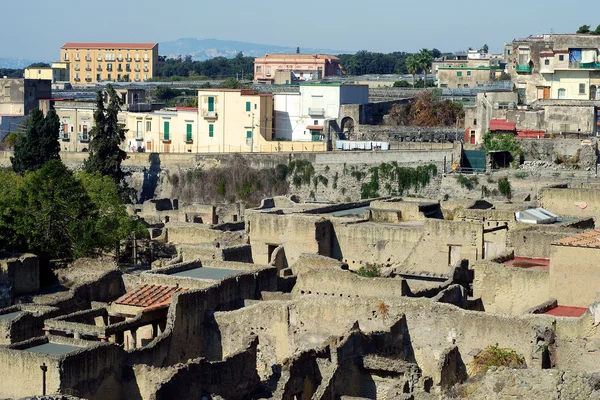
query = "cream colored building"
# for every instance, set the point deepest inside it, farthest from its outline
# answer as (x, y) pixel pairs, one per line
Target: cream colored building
(110, 62)
(58, 73)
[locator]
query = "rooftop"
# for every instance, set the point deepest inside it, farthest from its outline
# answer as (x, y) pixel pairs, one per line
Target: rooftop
(209, 273)
(502, 125)
(149, 296)
(528, 262)
(296, 56)
(566, 311)
(53, 349)
(122, 46)
(588, 239)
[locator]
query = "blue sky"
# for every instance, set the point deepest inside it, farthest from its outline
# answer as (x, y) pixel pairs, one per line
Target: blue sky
(38, 28)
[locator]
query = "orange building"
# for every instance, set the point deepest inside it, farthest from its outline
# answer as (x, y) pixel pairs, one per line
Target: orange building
(303, 67)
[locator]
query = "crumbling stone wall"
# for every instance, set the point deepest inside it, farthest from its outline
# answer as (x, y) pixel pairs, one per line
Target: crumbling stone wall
(510, 290)
(571, 202)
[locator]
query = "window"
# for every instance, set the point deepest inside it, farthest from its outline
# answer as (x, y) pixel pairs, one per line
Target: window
(248, 106)
(468, 73)
(66, 57)
(98, 77)
(110, 77)
(211, 130)
(211, 104)
(546, 62)
(509, 51)
(6, 91)
(466, 85)
(268, 71)
(259, 69)
(316, 122)
(582, 88)
(188, 133)
(561, 58)
(128, 67)
(562, 93)
(109, 67)
(148, 126)
(475, 122)
(166, 130)
(459, 73)
(248, 134)
(255, 106)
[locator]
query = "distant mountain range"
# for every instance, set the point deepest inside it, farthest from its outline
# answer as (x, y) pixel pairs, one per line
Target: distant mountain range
(205, 49)
(16, 63)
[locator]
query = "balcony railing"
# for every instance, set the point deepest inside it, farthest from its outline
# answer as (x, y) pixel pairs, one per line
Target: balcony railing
(84, 137)
(64, 136)
(128, 59)
(590, 65)
(145, 69)
(77, 79)
(88, 79)
(88, 58)
(316, 111)
(137, 70)
(146, 59)
(120, 69)
(76, 68)
(120, 58)
(99, 68)
(137, 58)
(88, 68)
(524, 69)
(210, 114)
(166, 137)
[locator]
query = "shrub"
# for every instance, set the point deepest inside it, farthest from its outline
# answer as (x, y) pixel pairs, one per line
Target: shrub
(505, 188)
(495, 356)
(465, 182)
(369, 271)
(521, 175)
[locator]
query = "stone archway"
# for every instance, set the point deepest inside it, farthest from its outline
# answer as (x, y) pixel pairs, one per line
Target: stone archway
(348, 127)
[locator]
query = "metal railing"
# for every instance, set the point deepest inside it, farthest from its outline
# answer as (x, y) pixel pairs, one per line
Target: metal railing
(524, 68)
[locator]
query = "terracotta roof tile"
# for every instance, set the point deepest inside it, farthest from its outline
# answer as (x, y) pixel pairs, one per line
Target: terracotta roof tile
(502, 125)
(149, 296)
(566, 311)
(589, 239)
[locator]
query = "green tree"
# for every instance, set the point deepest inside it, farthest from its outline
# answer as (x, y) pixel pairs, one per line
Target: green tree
(107, 135)
(485, 48)
(38, 144)
(412, 66)
(39, 65)
(597, 31)
(584, 29)
(502, 142)
(230, 83)
(505, 188)
(424, 59)
(52, 212)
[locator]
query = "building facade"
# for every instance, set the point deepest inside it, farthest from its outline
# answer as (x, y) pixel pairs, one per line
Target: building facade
(58, 73)
(302, 67)
(301, 114)
(472, 70)
(558, 67)
(110, 62)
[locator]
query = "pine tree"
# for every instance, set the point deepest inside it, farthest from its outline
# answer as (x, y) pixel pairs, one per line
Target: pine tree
(39, 144)
(107, 135)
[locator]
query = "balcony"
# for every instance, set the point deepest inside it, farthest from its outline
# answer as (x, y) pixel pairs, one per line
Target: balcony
(64, 136)
(77, 79)
(316, 111)
(137, 58)
(137, 70)
(88, 68)
(88, 58)
(119, 58)
(590, 65)
(145, 69)
(139, 136)
(524, 69)
(88, 79)
(84, 138)
(76, 68)
(128, 59)
(99, 68)
(146, 59)
(127, 69)
(166, 137)
(210, 114)
(120, 69)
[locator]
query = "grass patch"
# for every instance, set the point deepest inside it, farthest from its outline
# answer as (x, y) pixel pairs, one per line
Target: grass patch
(495, 356)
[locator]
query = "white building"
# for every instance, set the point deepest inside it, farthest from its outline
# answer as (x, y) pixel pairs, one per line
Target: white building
(301, 113)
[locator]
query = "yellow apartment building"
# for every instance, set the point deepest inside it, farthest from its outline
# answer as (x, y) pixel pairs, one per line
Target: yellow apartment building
(110, 62)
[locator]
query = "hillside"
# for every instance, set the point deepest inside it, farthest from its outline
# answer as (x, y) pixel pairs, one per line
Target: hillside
(205, 49)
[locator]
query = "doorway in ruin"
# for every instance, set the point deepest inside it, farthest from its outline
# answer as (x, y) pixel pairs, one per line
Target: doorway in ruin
(348, 128)
(453, 255)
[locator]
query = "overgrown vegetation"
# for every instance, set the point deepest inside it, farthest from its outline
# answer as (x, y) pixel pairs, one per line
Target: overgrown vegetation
(301, 171)
(396, 180)
(369, 271)
(236, 181)
(183, 68)
(38, 144)
(428, 109)
(504, 187)
(467, 182)
(495, 356)
(502, 142)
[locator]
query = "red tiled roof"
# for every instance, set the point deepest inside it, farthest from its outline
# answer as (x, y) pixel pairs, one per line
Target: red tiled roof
(546, 53)
(178, 108)
(528, 262)
(561, 51)
(149, 296)
(123, 46)
(566, 311)
(502, 125)
(314, 127)
(589, 239)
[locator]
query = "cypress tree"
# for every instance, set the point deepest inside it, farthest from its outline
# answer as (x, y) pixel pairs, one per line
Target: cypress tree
(39, 143)
(107, 135)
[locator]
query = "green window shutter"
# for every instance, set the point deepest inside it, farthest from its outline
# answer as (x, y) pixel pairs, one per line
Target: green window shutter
(211, 130)
(188, 133)
(459, 73)
(248, 134)
(166, 130)
(211, 104)
(248, 106)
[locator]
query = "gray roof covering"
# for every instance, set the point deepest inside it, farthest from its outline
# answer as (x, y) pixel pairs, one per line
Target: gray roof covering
(536, 216)
(209, 273)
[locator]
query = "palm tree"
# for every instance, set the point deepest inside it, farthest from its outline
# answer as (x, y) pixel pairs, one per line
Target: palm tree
(412, 66)
(424, 59)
